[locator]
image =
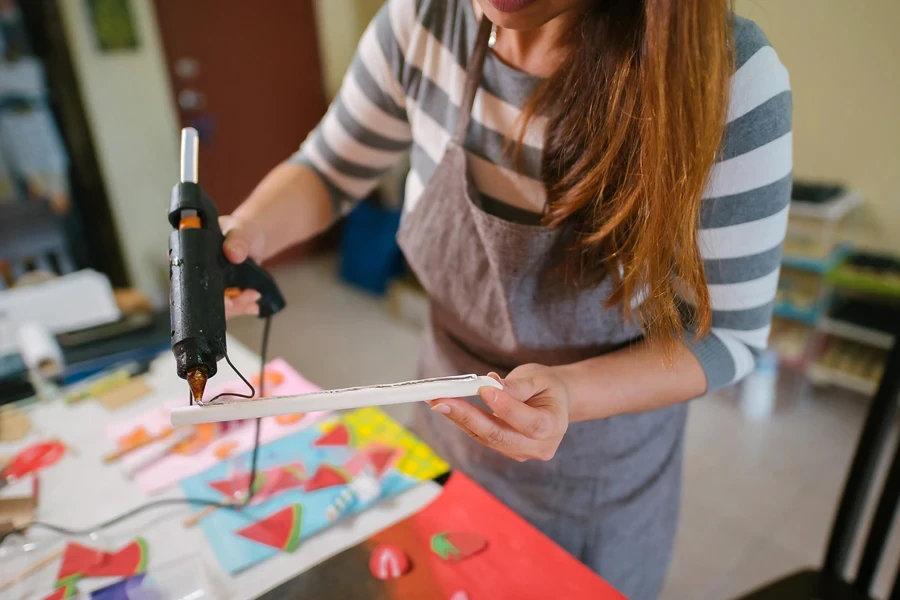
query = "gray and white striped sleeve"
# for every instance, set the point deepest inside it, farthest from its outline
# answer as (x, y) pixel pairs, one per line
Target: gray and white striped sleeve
(366, 130)
(744, 213)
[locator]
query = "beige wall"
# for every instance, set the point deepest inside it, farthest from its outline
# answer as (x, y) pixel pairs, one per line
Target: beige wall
(844, 62)
(135, 132)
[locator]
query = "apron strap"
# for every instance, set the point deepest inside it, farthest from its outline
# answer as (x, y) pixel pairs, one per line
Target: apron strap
(473, 78)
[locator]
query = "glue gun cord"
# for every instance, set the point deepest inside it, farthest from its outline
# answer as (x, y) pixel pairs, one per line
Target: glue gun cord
(264, 347)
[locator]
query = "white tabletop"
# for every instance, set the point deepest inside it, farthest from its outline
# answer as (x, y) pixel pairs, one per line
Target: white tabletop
(81, 491)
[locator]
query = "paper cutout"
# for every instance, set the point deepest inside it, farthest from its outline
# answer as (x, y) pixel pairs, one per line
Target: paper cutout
(236, 553)
(326, 476)
(269, 482)
(388, 562)
(382, 458)
(33, 459)
(77, 560)
(370, 425)
(456, 546)
(125, 394)
(61, 593)
(520, 561)
(225, 449)
(14, 423)
(130, 560)
(280, 531)
(289, 419)
(173, 468)
(339, 436)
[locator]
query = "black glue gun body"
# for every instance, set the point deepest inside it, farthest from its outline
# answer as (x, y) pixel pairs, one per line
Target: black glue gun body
(199, 274)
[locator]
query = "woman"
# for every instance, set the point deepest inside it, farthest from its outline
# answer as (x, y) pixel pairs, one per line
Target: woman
(596, 206)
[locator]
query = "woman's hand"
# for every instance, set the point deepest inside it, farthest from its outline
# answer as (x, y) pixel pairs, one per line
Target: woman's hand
(243, 239)
(530, 414)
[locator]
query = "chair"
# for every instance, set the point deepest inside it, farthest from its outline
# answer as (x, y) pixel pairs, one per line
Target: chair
(829, 583)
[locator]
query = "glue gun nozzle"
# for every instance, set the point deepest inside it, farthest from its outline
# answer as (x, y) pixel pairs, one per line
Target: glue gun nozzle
(196, 379)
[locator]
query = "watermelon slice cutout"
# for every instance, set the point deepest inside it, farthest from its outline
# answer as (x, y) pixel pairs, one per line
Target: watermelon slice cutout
(326, 476)
(456, 546)
(130, 560)
(77, 560)
(382, 458)
(268, 483)
(339, 436)
(61, 593)
(280, 530)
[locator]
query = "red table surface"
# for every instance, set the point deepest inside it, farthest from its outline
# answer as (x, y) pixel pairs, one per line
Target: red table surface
(519, 562)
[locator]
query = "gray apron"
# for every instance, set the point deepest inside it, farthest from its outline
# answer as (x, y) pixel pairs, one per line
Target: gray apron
(610, 495)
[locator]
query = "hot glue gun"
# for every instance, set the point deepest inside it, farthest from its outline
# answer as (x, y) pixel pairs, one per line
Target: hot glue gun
(200, 274)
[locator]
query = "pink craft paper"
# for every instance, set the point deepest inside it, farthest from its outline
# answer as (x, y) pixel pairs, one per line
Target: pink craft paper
(173, 468)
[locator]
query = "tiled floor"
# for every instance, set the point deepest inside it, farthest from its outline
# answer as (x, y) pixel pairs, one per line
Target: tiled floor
(758, 496)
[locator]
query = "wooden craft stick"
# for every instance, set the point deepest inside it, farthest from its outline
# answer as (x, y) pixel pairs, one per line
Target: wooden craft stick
(197, 516)
(123, 450)
(376, 395)
(31, 570)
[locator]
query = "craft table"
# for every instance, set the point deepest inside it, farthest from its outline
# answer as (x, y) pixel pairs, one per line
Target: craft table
(80, 491)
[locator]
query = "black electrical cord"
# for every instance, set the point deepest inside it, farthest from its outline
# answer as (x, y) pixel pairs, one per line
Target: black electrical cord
(264, 347)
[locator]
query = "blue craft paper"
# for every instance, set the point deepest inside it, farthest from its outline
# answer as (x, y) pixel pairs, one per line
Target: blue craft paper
(236, 553)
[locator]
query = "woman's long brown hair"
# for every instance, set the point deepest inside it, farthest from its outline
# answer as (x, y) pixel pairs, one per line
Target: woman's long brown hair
(636, 117)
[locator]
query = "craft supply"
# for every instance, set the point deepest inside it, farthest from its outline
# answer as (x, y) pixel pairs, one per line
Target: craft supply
(368, 428)
(129, 560)
(60, 593)
(388, 562)
(456, 546)
(377, 395)
(200, 275)
(135, 389)
(77, 560)
(362, 488)
(14, 423)
(155, 453)
(519, 561)
(280, 531)
(31, 460)
(177, 466)
(31, 570)
(39, 349)
(16, 513)
(99, 385)
(138, 439)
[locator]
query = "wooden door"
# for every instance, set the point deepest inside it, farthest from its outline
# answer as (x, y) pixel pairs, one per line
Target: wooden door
(247, 75)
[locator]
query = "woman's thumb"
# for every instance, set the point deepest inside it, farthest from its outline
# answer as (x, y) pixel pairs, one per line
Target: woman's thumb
(237, 241)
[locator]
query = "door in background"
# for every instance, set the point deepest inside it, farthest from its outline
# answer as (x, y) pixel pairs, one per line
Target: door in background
(247, 75)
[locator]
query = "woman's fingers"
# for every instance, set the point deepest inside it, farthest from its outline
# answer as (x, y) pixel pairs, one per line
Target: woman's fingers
(527, 420)
(244, 303)
(489, 430)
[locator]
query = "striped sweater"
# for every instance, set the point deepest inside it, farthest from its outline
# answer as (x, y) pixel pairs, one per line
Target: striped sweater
(402, 92)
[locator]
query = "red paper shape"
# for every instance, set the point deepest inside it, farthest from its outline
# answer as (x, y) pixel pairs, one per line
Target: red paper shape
(280, 530)
(34, 458)
(60, 593)
(339, 436)
(457, 546)
(130, 560)
(388, 562)
(77, 560)
(326, 476)
(382, 458)
(268, 483)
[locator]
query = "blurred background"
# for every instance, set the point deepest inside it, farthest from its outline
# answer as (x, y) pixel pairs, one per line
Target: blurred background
(93, 94)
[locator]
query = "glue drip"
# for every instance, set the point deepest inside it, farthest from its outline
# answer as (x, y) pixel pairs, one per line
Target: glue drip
(196, 379)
